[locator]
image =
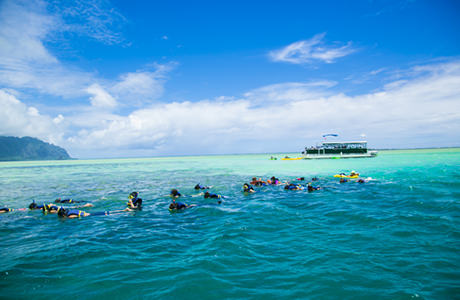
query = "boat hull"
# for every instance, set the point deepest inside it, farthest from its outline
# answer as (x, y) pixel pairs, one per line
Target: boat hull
(340, 155)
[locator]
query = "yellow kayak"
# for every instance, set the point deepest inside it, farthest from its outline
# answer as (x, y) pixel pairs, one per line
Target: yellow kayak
(291, 158)
(347, 176)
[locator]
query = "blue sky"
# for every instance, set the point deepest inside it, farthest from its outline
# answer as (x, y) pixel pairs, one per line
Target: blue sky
(140, 78)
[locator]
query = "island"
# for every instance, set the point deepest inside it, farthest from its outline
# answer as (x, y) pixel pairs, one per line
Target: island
(29, 148)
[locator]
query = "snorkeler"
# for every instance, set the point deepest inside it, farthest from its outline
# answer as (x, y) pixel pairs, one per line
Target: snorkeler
(75, 213)
(51, 207)
(59, 200)
(175, 193)
(248, 189)
(209, 195)
(71, 213)
(293, 187)
(315, 179)
(5, 210)
(274, 181)
(258, 182)
(200, 187)
(301, 178)
(343, 180)
(311, 188)
(34, 205)
(176, 205)
(134, 201)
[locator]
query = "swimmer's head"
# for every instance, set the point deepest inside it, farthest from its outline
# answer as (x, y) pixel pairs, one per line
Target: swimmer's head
(61, 212)
(33, 205)
(133, 195)
(207, 195)
(175, 193)
(173, 205)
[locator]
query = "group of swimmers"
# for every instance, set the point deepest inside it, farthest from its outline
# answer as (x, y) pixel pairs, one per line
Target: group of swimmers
(247, 188)
(135, 202)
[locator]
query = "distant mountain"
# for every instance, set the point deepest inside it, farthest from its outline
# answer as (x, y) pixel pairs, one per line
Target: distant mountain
(28, 148)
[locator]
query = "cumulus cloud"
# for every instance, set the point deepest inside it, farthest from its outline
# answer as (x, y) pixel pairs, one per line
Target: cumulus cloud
(311, 50)
(141, 86)
(419, 112)
(100, 97)
(18, 119)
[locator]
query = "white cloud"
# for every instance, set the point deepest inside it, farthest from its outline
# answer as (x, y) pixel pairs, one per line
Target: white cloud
(100, 97)
(27, 26)
(423, 111)
(18, 119)
(308, 51)
(58, 119)
(139, 86)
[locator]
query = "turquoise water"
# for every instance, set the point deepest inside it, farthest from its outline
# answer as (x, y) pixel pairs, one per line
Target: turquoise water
(397, 237)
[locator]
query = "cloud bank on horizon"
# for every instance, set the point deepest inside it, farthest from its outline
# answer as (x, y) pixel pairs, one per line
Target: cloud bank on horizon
(128, 114)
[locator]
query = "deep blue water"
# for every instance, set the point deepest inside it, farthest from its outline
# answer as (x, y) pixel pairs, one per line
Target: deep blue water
(395, 237)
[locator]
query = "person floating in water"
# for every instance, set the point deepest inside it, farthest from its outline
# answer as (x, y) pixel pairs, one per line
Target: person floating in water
(293, 187)
(177, 205)
(273, 181)
(311, 188)
(315, 179)
(51, 208)
(248, 189)
(258, 182)
(343, 180)
(75, 213)
(200, 187)
(175, 193)
(301, 178)
(210, 195)
(71, 213)
(59, 200)
(134, 201)
(34, 205)
(5, 210)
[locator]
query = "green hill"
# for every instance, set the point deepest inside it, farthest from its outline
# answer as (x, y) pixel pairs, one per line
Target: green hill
(28, 148)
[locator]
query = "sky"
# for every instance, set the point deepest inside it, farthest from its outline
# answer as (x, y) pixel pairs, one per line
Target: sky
(157, 78)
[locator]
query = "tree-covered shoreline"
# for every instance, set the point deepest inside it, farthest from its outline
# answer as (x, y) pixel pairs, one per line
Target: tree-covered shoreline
(29, 148)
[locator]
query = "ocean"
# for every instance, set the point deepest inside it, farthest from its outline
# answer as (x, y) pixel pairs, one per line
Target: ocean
(396, 236)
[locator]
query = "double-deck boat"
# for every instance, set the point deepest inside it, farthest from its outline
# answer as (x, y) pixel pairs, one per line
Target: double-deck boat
(335, 150)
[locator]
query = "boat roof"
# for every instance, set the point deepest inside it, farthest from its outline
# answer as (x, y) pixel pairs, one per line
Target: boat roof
(356, 142)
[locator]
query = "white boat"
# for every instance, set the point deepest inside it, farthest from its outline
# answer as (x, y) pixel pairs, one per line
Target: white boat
(336, 150)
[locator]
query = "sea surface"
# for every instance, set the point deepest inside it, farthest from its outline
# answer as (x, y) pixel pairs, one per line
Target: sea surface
(396, 236)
